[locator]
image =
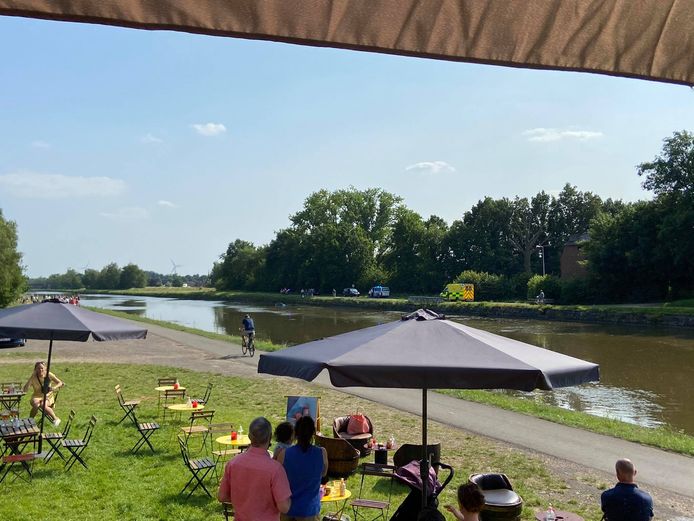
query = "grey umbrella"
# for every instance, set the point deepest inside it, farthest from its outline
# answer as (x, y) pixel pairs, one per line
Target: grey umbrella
(52, 320)
(426, 351)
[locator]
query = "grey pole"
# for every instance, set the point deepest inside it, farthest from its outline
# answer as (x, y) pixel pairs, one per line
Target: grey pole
(46, 384)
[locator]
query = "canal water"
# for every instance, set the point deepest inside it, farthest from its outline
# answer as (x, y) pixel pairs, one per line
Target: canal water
(647, 374)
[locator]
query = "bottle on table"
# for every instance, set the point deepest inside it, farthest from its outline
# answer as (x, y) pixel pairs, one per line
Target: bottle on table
(550, 515)
(343, 487)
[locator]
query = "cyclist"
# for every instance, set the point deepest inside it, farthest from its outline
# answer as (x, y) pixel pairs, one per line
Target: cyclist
(248, 329)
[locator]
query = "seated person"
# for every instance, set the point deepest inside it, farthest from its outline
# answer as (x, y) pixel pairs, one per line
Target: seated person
(36, 381)
(470, 503)
(284, 436)
(625, 501)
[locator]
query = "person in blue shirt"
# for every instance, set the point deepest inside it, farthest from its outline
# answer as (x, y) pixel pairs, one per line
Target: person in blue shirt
(626, 502)
(248, 328)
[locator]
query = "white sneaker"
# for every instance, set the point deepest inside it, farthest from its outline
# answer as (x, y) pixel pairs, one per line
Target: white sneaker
(56, 422)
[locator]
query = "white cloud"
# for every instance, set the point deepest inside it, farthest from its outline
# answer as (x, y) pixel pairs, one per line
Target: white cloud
(209, 129)
(545, 135)
(32, 185)
(41, 144)
(430, 167)
(126, 214)
(148, 139)
(167, 204)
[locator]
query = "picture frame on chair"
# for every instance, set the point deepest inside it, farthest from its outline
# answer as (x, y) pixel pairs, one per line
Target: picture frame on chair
(298, 406)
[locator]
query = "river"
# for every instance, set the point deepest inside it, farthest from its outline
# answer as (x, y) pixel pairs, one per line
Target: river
(647, 374)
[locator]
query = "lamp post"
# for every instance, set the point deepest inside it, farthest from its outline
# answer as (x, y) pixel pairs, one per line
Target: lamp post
(541, 253)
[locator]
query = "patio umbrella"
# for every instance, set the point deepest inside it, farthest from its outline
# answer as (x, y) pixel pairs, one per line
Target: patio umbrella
(648, 39)
(52, 320)
(426, 351)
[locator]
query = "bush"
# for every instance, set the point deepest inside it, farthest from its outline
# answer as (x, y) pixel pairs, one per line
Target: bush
(487, 285)
(547, 283)
(577, 291)
(518, 286)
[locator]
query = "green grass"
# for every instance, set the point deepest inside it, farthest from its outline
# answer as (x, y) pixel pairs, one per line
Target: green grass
(121, 486)
(660, 437)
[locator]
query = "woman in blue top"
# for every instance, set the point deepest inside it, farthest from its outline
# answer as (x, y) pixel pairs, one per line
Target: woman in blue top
(305, 465)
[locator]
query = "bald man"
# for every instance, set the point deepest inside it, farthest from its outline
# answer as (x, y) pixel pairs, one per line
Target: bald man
(626, 502)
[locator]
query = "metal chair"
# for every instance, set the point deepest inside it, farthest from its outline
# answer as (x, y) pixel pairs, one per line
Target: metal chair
(128, 406)
(54, 439)
(382, 471)
(172, 395)
(146, 430)
(199, 468)
(77, 447)
(206, 397)
(203, 430)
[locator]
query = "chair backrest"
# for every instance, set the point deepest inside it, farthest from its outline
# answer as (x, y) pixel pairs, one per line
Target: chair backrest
(409, 452)
(68, 423)
(220, 428)
(6, 386)
(167, 381)
(208, 392)
(343, 458)
(205, 415)
(174, 394)
(90, 430)
(491, 481)
(119, 394)
(184, 450)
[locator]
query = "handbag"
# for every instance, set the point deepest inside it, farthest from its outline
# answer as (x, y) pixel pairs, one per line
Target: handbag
(357, 424)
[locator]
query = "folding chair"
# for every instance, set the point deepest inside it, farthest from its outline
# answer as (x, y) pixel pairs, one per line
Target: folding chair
(54, 439)
(145, 430)
(228, 511)
(381, 471)
(128, 406)
(25, 461)
(76, 447)
(205, 398)
(161, 382)
(215, 430)
(171, 396)
(199, 468)
(193, 429)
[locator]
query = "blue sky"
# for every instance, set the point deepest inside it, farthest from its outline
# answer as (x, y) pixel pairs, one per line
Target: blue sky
(134, 146)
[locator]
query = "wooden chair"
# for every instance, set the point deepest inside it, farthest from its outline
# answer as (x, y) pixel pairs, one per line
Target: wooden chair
(381, 471)
(206, 397)
(161, 382)
(199, 468)
(146, 430)
(194, 428)
(24, 461)
(343, 459)
(358, 441)
(409, 452)
(77, 447)
(128, 406)
(54, 439)
(173, 395)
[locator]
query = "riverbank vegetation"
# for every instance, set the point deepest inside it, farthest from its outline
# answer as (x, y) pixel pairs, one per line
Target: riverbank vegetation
(146, 486)
(660, 437)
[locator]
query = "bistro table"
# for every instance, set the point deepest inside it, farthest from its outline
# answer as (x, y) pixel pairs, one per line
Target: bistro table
(180, 408)
(335, 497)
(241, 442)
(17, 434)
(9, 401)
(163, 388)
(559, 515)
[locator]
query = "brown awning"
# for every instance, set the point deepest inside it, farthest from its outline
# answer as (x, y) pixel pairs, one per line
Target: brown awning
(649, 39)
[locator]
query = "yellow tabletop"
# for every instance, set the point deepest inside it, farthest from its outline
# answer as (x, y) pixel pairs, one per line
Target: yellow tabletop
(241, 441)
(163, 388)
(334, 497)
(184, 407)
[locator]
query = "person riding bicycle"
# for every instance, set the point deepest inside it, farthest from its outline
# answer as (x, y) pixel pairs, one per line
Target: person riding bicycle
(248, 329)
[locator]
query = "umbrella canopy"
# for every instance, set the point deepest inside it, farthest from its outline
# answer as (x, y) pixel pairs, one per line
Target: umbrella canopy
(425, 351)
(650, 39)
(53, 320)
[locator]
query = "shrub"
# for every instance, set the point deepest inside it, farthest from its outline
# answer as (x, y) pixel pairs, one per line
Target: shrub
(487, 286)
(518, 286)
(547, 283)
(577, 291)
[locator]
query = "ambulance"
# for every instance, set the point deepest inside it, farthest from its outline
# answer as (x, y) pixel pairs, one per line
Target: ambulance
(455, 292)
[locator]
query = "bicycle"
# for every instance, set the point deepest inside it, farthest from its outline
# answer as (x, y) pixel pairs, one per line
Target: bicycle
(248, 346)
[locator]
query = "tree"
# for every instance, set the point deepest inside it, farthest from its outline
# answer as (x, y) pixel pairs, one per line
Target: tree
(131, 276)
(12, 280)
(672, 172)
(239, 266)
(528, 225)
(109, 276)
(90, 278)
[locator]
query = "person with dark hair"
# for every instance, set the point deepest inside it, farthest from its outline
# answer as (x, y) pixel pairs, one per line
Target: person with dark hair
(253, 482)
(625, 501)
(284, 435)
(470, 503)
(305, 465)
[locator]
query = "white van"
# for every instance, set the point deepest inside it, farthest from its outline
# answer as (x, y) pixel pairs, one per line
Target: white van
(379, 292)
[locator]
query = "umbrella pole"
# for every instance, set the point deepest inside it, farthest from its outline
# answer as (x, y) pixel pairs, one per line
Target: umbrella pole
(46, 383)
(424, 464)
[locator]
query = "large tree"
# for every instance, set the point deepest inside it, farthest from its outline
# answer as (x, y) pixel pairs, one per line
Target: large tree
(12, 280)
(131, 276)
(239, 267)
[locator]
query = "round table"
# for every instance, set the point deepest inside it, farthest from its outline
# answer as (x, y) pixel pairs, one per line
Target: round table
(241, 441)
(184, 407)
(334, 498)
(560, 515)
(163, 388)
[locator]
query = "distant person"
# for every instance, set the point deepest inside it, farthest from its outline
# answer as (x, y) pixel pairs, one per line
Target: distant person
(541, 297)
(284, 436)
(334, 292)
(470, 503)
(626, 502)
(247, 328)
(306, 464)
(36, 381)
(254, 483)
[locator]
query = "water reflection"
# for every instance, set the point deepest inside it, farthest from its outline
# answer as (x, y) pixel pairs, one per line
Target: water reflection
(646, 373)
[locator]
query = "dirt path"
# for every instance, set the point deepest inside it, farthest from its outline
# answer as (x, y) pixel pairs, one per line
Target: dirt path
(584, 460)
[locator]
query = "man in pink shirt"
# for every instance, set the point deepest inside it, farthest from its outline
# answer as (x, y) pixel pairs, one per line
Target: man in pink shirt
(253, 482)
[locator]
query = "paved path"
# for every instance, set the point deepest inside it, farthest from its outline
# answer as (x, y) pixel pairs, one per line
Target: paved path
(663, 469)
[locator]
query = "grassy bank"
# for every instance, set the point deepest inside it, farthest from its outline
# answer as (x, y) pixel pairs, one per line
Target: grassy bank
(661, 437)
(122, 486)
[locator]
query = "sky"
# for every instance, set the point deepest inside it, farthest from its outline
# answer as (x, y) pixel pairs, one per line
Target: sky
(161, 148)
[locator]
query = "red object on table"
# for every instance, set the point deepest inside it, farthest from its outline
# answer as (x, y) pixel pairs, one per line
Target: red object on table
(175, 386)
(195, 404)
(233, 435)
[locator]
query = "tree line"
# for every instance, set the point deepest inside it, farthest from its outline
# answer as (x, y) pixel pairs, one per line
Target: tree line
(636, 251)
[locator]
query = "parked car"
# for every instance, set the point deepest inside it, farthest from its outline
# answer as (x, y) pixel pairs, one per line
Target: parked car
(350, 292)
(12, 342)
(379, 292)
